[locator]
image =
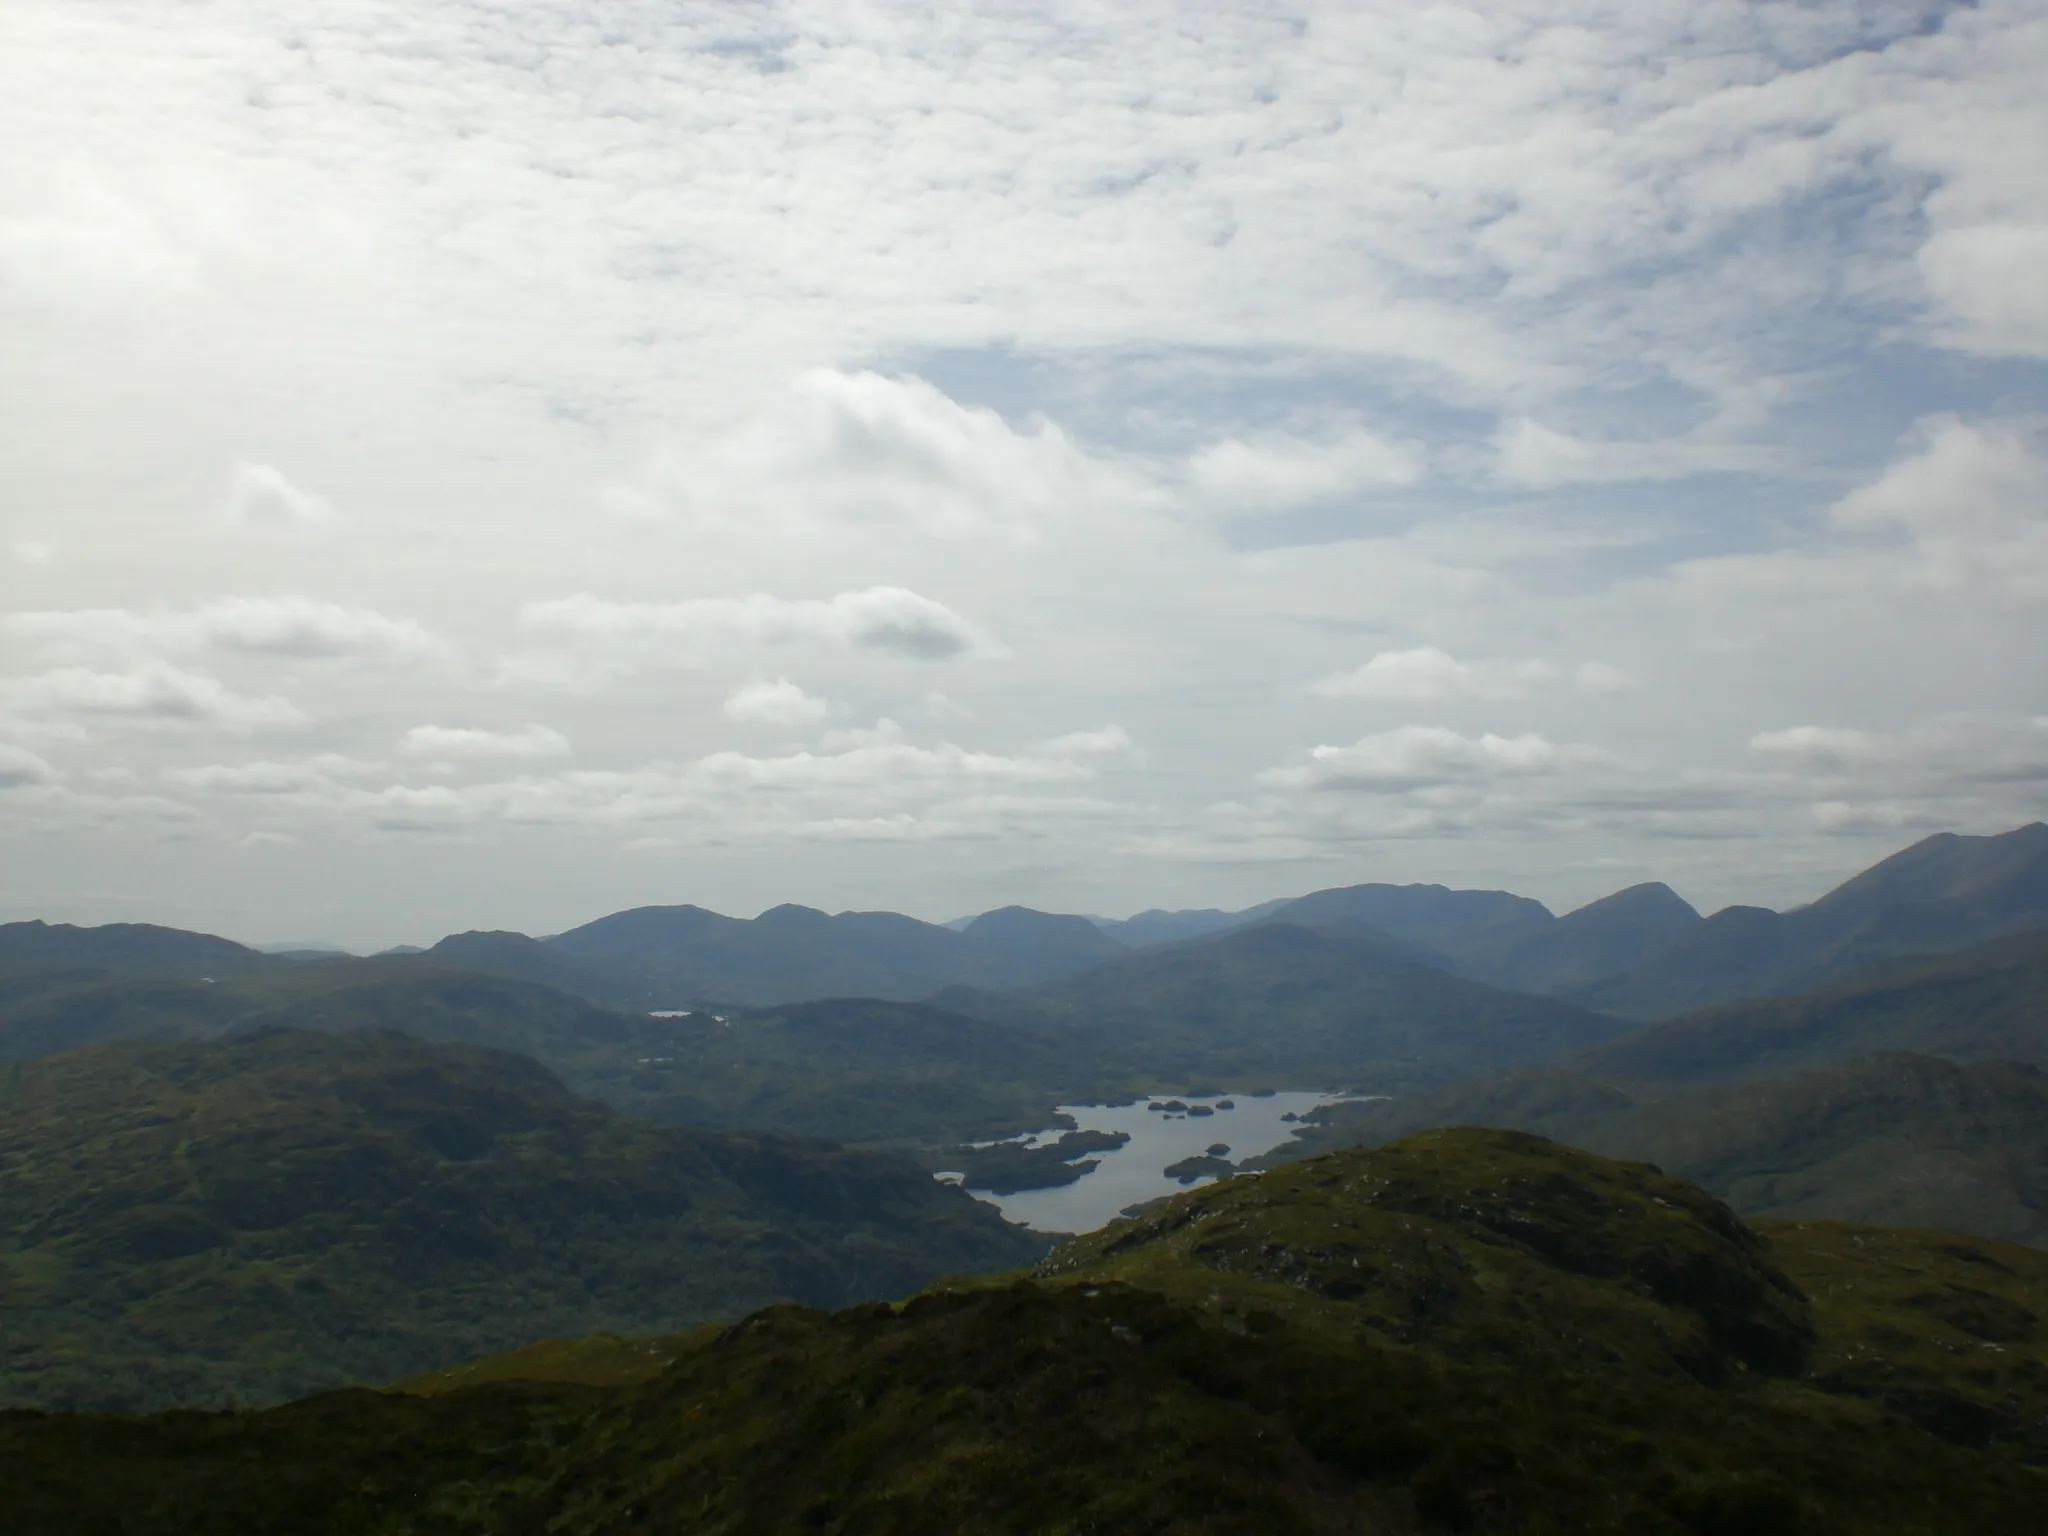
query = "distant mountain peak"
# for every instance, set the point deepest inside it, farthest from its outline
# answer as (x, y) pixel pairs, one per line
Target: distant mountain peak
(1652, 896)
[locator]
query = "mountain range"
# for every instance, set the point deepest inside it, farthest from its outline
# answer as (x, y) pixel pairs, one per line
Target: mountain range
(229, 1177)
(1639, 953)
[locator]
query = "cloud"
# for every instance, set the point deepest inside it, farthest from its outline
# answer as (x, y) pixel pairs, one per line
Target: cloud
(883, 761)
(1529, 454)
(1269, 471)
(1414, 756)
(1951, 754)
(463, 742)
(1987, 279)
(149, 696)
(889, 620)
(1972, 496)
(261, 498)
(1015, 312)
(21, 768)
(259, 778)
(872, 777)
(778, 703)
(284, 628)
(845, 455)
(1428, 673)
(1110, 738)
(1600, 677)
(1843, 818)
(1819, 747)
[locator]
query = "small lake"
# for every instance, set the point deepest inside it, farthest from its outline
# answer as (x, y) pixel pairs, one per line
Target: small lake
(1136, 1170)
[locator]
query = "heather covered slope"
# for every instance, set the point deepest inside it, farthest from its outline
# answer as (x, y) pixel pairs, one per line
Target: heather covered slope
(251, 1218)
(1911, 1094)
(1467, 1331)
(1891, 1137)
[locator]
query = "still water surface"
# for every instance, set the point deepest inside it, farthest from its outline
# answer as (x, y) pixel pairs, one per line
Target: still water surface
(1135, 1171)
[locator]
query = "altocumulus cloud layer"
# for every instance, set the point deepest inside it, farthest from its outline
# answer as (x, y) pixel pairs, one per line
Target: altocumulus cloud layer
(475, 465)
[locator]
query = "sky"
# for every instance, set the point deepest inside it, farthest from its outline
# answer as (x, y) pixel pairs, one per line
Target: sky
(474, 465)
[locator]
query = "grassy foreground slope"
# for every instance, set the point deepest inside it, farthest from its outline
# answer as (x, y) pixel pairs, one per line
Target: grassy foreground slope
(249, 1219)
(1469, 1330)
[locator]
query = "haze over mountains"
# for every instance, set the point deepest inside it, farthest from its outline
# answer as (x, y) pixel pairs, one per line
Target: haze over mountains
(1642, 952)
(1373, 986)
(1466, 1006)
(228, 1177)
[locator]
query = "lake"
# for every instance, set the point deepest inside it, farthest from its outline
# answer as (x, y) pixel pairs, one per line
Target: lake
(1135, 1171)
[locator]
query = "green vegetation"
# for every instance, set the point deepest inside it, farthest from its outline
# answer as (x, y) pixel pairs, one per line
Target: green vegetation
(857, 1071)
(1490, 1248)
(1276, 1005)
(1891, 1137)
(1918, 1098)
(1008, 1166)
(1949, 1333)
(246, 1219)
(1467, 1331)
(1989, 1002)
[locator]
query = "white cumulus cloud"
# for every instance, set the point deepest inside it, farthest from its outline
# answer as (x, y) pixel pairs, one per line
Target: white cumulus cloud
(778, 703)
(1817, 746)
(532, 741)
(1109, 738)
(260, 497)
(1428, 673)
(286, 628)
(891, 620)
(1414, 756)
(155, 695)
(1271, 471)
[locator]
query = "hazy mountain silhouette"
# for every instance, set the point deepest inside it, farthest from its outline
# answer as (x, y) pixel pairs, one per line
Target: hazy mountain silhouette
(1276, 1002)
(794, 953)
(1944, 893)
(1985, 1003)
(133, 948)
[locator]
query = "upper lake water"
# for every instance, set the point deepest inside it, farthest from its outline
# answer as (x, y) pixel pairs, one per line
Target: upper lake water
(1136, 1170)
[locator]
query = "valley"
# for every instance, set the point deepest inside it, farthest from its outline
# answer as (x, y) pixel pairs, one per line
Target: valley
(549, 1188)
